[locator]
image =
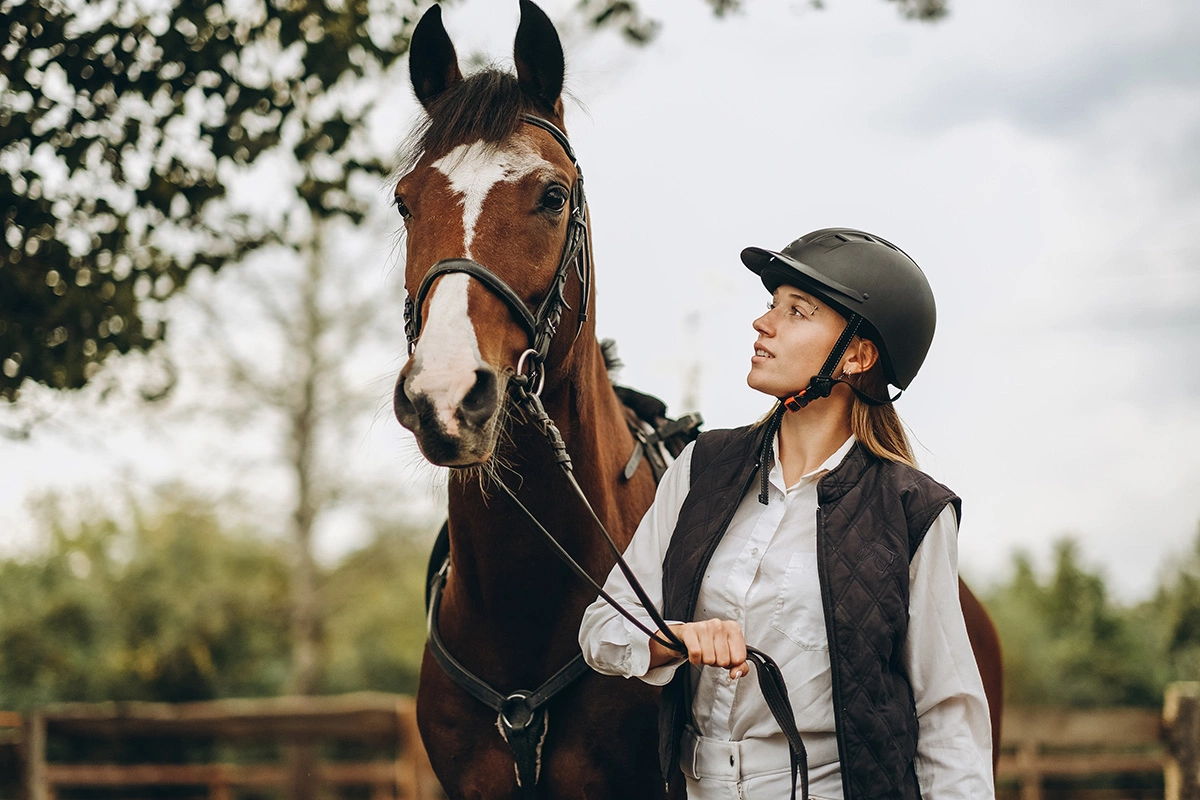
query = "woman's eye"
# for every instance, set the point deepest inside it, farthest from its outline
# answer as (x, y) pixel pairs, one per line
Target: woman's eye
(554, 199)
(403, 209)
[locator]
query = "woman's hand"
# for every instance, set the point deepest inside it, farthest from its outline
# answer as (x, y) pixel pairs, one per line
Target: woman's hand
(715, 642)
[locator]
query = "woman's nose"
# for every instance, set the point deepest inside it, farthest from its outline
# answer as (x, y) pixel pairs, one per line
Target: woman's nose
(761, 324)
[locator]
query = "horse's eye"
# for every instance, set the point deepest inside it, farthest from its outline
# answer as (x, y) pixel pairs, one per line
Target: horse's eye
(403, 209)
(555, 198)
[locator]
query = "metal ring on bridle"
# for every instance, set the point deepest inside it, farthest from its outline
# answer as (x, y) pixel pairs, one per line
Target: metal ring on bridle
(517, 702)
(535, 368)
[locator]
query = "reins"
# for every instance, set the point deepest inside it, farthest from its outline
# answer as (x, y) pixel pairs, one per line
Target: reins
(526, 384)
(770, 677)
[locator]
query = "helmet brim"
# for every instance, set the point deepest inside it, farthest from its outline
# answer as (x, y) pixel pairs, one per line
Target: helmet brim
(776, 269)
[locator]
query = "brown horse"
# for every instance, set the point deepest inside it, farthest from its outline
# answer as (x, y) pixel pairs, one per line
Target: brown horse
(499, 273)
(489, 185)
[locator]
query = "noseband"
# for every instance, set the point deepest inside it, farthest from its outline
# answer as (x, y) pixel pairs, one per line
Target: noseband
(540, 324)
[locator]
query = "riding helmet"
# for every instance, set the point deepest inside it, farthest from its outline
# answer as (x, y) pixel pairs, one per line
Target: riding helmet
(860, 273)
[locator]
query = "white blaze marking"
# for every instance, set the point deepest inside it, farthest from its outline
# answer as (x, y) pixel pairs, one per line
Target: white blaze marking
(447, 354)
(475, 168)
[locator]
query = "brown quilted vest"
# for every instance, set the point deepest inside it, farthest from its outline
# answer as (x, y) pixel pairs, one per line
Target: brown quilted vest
(872, 515)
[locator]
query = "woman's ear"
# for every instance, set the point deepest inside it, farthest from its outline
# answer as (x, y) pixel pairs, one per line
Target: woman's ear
(861, 355)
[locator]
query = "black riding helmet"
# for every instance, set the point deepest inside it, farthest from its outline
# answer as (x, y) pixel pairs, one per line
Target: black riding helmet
(861, 274)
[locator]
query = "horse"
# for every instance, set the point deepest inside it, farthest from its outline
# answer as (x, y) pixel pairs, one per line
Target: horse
(505, 708)
(493, 181)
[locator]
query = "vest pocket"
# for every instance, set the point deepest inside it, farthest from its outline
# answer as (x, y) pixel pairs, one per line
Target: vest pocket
(798, 614)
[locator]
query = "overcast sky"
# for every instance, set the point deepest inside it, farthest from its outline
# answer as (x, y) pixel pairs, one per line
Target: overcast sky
(1040, 159)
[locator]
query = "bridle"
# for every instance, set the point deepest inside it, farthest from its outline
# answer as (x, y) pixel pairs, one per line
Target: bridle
(540, 324)
(521, 714)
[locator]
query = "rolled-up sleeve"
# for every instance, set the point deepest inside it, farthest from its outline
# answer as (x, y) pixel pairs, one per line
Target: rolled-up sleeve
(610, 643)
(954, 742)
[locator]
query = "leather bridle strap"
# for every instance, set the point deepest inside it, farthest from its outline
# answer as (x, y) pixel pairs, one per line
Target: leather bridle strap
(521, 716)
(540, 325)
(485, 276)
(770, 677)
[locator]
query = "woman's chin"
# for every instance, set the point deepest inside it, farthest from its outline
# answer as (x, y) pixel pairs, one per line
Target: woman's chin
(769, 388)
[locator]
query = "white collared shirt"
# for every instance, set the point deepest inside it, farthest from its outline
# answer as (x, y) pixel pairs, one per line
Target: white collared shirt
(763, 574)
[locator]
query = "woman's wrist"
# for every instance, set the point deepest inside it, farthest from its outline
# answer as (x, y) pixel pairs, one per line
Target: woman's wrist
(660, 654)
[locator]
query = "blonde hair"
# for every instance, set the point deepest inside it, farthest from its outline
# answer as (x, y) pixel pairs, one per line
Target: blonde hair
(879, 428)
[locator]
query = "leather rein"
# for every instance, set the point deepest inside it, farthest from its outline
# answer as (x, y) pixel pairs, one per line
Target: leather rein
(521, 714)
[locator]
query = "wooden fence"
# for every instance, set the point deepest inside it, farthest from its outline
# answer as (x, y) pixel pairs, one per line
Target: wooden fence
(1039, 746)
(296, 733)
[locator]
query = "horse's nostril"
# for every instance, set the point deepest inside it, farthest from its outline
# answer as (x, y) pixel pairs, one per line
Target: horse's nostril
(402, 405)
(480, 402)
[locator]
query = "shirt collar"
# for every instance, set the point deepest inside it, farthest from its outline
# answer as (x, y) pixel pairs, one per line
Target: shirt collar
(776, 475)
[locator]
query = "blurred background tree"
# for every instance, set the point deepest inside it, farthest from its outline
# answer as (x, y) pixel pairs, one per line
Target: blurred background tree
(1067, 644)
(125, 123)
(174, 607)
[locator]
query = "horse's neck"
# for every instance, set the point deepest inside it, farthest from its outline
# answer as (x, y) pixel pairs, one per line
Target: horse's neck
(504, 572)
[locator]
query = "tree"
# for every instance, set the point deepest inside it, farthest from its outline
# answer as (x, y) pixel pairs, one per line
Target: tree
(278, 353)
(1066, 644)
(166, 607)
(376, 610)
(166, 603)
(1175, 610)
(123, 124)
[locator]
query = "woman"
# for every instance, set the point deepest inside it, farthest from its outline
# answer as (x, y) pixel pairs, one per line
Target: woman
(812, 536)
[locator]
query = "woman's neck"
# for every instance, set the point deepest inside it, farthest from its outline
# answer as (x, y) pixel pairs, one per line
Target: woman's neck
(811, 435)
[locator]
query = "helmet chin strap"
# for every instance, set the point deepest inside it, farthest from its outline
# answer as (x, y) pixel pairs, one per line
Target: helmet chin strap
(820, 385)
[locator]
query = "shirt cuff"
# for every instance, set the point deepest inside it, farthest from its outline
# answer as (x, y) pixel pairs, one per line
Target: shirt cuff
(639, 656)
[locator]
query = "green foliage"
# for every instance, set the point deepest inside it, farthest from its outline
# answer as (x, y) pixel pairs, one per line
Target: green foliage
(123, 122)
(171, 607)
(376, 606)
(1066, 644)
(1175, 613)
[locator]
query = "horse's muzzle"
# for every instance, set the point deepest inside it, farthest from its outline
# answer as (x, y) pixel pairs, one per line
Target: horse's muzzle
(451, 432)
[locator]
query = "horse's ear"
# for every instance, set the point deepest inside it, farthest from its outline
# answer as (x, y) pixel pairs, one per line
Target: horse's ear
(432, 62)
(538, 55)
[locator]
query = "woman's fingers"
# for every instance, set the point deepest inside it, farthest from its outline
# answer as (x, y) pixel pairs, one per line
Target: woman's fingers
(717, 643)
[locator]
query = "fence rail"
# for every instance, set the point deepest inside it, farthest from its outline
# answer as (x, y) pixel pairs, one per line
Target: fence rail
(297, 724)
(1038, 744)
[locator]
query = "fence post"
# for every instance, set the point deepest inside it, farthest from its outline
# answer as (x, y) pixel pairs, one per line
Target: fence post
(1181, 724)
(35, 757)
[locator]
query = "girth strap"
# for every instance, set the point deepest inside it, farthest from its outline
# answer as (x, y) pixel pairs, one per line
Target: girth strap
(521, 715)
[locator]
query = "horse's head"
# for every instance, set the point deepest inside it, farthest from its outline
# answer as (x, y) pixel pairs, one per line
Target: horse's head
(492, 201)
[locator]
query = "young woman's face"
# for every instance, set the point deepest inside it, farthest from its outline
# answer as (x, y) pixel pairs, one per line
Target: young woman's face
(794, 339)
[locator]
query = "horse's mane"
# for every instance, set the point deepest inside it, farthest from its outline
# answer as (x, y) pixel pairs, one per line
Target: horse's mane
(487, 105)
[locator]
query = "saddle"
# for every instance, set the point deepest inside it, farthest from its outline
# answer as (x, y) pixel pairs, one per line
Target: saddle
(659, 437)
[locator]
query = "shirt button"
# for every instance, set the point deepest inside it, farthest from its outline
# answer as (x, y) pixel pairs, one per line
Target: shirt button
(731, 761)
(753, 551)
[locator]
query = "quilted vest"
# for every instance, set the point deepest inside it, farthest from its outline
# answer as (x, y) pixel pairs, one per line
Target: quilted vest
(872, 515)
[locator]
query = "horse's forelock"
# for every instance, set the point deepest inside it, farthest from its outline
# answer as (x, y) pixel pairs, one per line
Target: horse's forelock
(487, 106)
